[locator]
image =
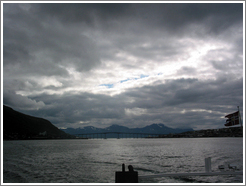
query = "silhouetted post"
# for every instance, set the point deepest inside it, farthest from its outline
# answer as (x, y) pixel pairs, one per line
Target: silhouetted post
(123, 167)
(130, 176)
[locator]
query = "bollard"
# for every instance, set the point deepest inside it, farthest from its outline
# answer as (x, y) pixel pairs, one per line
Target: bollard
(123, 167)
(130, 176)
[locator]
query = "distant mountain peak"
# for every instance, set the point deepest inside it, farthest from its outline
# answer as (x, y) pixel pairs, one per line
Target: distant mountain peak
(115, 125)
(158, 124)
(152, 129)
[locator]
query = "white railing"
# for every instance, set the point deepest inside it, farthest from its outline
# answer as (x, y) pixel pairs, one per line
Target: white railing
(132, 176)
(208, 172)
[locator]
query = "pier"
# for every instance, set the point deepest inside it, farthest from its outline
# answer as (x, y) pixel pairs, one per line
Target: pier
(132, 176)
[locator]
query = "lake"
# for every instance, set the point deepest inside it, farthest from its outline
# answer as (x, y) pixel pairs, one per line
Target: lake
(97, 160)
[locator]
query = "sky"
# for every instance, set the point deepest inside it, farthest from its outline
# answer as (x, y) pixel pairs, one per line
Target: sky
(130, 64)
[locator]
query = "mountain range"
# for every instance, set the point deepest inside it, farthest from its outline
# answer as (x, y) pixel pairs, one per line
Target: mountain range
(17, 125)
(150, 129)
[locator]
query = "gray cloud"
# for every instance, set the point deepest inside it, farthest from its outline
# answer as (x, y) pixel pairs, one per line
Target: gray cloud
(176, 17)
(182, 102)
(45, 41)
(21, 102)
(180, 64)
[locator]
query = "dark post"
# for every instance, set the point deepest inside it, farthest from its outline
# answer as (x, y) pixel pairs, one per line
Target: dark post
(130, 176)
(123, 167)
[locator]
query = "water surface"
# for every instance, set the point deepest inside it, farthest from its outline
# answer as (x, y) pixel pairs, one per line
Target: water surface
(96, 160)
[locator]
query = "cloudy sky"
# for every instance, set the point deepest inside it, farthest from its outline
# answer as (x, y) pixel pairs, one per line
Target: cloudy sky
(98, 64)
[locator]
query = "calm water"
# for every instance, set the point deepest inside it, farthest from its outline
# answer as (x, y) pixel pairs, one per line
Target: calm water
(95, 161)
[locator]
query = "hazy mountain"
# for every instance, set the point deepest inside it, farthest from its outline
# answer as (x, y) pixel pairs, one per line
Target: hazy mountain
(151, 129)
(17, 125)
(117, 128)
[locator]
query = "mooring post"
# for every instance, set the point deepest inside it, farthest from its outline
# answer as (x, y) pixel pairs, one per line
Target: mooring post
(130, 176)
(123, 167)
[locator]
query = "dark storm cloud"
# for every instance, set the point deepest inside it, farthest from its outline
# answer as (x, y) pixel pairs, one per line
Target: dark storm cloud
(188, 91)
(53, 52)
(83, 12)
(34, 38)
(175, 17)
(47, 30)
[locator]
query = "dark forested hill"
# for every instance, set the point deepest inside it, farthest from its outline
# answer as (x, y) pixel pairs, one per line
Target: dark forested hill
(17, 125)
